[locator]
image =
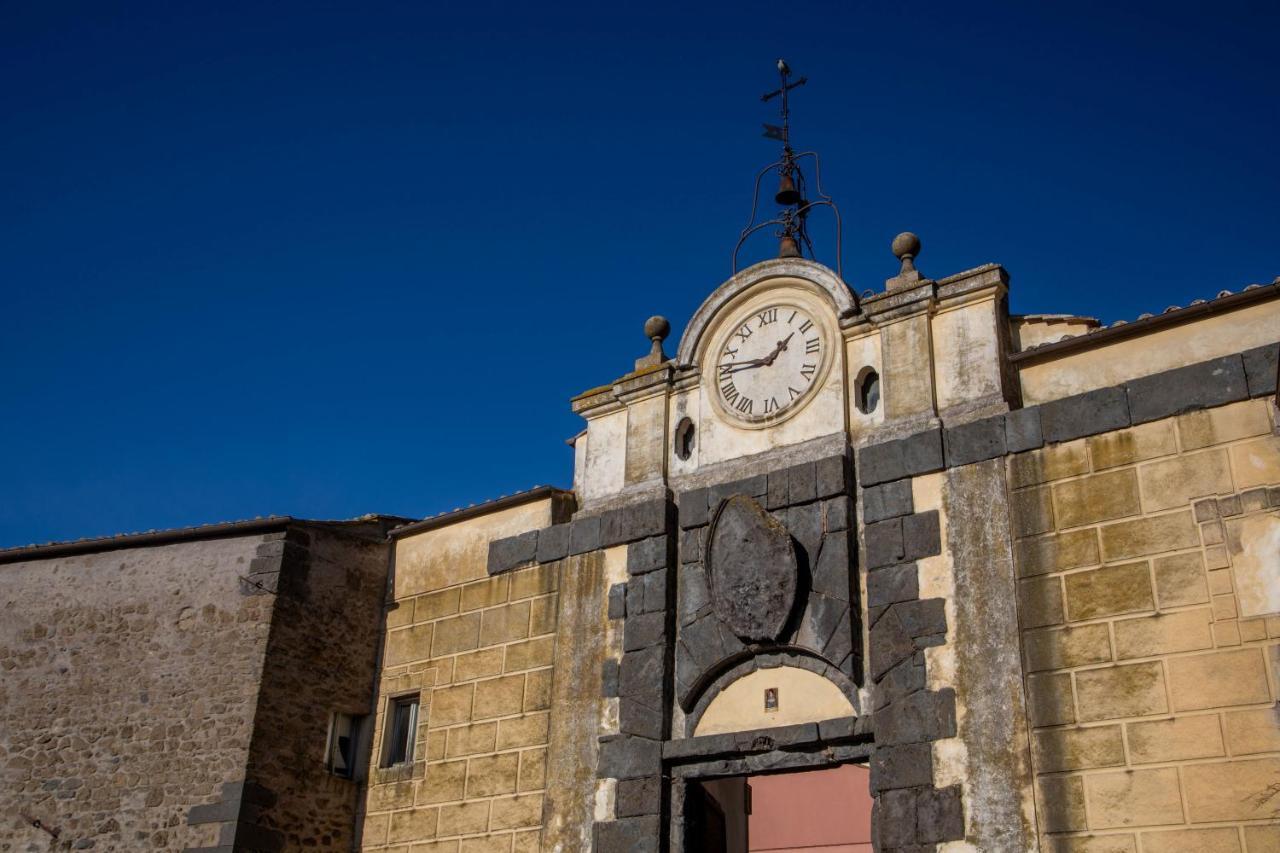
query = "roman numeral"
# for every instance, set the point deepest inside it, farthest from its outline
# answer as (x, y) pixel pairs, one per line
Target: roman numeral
(768, 316)
(793, 392)
(811, 345)
(792, 318)
(744, 405)
(771, 405)
(806, 325)
(729, 392)
(807, 370)
(744, 332)
(725, 369)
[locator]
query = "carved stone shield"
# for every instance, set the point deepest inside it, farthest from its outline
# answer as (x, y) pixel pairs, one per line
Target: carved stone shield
(752, 566)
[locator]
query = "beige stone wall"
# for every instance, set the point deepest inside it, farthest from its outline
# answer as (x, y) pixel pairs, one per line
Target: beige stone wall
(1113, 363)
(1152, 699)
(479, 650)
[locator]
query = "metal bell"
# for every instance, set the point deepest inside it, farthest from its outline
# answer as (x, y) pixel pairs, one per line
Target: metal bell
(788, 247)
(787, 194)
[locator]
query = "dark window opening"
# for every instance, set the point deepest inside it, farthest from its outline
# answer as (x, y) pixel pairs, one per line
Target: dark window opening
(344, 733)
(402, 727)
(684, 439)
(869, 392)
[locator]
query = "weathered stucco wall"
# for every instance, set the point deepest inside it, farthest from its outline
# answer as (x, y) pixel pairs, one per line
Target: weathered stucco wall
(128, 694)
(1152, 696)
(478, 650)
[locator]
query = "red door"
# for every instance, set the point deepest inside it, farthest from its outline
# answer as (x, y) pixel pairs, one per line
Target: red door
(817, 811)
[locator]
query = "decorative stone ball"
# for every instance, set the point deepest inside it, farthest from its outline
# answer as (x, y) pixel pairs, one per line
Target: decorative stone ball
(657, 327)
(906, 243)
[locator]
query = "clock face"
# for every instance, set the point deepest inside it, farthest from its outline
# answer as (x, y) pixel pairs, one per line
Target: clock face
(769, 362)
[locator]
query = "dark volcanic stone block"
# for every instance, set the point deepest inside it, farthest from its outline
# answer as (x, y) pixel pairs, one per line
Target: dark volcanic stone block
(655, 591)
(905, 766)
(922, 716)
(629, 835)
(643, 630)
(553, 543)
(644, 519)
(609, 678)
(507, 554)
(890, 643)
(896, 818)
(693, 508)
(893, 584)
(628, 757)
(639, 796)
(837, 513)
(939, 815)
(920, 535)
(1196, 386)
(1260, 369)
(694, 594)
(802, 484)
(777, 492)
(691, 545)
(636, 718)
(905, 678)
(881, 463)
(923, 618)
(976, 441)
(922, 452)
(647, 555)
(830, 476)
(821, 618)
(617, 601)
(1084, 414)
(1022, 430)
(888, 500)
(641, 672)
(831, 572)
(884, 543)
(804, 523)
(584, 534)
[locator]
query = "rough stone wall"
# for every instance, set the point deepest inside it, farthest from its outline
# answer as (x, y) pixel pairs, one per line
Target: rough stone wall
(480, 653)
(320, 659)
(129, 684)
(1152, 701)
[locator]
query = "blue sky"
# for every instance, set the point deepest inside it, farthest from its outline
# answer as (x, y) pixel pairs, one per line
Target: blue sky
(329, 259)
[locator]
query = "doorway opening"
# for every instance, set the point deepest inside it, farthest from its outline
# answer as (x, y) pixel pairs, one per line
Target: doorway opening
(809, 811)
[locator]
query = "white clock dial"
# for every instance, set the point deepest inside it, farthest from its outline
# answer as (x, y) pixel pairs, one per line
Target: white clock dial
(769, 362)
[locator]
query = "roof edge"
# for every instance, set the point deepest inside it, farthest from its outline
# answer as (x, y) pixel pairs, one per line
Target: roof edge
(151, 538)
(504, 502)
(1113, 333)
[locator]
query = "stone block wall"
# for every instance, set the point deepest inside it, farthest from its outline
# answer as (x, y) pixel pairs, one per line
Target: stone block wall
(320, 659)
(1151, 685)
(480, 654)
(127, 697)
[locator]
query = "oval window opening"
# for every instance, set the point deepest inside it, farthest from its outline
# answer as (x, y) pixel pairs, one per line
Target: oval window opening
(684, 439)
(869, 392)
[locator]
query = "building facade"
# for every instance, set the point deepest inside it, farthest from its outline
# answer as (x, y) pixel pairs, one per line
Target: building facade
(903, 572)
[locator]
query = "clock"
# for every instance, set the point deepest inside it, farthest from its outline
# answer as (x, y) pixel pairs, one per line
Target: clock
(772, 357)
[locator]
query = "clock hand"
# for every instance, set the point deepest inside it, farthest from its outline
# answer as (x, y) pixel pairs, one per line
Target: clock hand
(777, 351)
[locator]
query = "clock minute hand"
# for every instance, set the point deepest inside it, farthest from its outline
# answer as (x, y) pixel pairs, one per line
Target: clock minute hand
(742, 365)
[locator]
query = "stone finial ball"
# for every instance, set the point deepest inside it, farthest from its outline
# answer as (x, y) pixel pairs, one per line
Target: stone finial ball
(906, 243)
(657, 327)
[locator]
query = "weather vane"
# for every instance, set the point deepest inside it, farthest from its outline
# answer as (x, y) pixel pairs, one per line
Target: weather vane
(792, 220)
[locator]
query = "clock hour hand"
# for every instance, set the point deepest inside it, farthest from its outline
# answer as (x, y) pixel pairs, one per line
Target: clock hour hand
(777, 351)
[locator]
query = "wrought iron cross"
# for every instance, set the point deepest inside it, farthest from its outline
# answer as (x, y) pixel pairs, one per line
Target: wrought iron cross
(773, 131)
